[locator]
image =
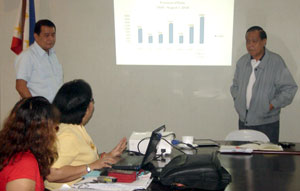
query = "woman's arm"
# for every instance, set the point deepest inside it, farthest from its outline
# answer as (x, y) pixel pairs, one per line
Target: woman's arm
(69, 173)
(22, 184)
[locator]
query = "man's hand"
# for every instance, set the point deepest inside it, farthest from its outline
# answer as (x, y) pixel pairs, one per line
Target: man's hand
(21, 87)
(271, 107)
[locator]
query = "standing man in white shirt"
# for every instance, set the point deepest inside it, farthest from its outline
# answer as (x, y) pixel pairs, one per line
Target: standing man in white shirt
(262, 85)
(37, 68)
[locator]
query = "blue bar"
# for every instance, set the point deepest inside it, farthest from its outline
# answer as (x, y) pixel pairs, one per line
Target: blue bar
(180, 39)
(191, 34)
(201, 29)
(160, 38)
(171, 33)
(150, 39)
(140, 35)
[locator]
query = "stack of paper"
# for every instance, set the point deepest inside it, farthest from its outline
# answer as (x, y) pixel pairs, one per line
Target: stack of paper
(263, 146)
(142, 182)
(249, 148)
(234, 149)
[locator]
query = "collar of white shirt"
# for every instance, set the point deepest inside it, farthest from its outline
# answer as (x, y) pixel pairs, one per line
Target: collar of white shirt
(41, 51)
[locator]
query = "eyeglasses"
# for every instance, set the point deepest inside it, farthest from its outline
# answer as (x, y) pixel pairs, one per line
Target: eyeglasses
(92, 100)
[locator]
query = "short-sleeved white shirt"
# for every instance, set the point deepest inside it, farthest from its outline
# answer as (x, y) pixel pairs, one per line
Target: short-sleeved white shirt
(42, 72)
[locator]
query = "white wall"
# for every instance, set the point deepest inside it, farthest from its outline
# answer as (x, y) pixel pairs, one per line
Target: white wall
(189, 100)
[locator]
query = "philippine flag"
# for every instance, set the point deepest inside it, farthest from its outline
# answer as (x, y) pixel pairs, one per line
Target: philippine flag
(24, 28)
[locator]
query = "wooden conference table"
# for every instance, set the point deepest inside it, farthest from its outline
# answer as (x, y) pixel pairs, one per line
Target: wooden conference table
(258, 172)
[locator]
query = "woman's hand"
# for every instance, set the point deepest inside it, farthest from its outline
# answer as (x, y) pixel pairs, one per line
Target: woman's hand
(103, 162)
(118, 150)
(110, 158)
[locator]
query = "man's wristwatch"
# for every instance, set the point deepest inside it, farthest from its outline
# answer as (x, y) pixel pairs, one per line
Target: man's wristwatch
(88, 169)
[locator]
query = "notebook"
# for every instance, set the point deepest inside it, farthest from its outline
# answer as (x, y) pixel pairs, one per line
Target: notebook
(134, 162)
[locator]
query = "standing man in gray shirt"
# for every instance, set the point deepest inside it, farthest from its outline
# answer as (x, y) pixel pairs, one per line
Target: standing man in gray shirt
(262, 85)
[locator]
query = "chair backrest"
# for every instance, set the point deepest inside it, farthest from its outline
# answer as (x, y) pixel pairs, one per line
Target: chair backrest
(247, 135)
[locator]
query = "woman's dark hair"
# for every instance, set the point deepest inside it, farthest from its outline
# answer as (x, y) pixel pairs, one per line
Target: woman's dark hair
(262, 33)
(30, 127)
(40, 23)
(72, 100)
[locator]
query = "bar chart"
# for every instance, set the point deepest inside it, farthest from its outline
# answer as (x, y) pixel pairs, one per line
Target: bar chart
(172, 32)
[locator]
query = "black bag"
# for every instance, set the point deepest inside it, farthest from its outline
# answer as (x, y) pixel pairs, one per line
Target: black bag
(195, 171)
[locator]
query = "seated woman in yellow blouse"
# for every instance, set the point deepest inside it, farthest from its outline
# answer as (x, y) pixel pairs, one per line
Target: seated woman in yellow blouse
(77, 154)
